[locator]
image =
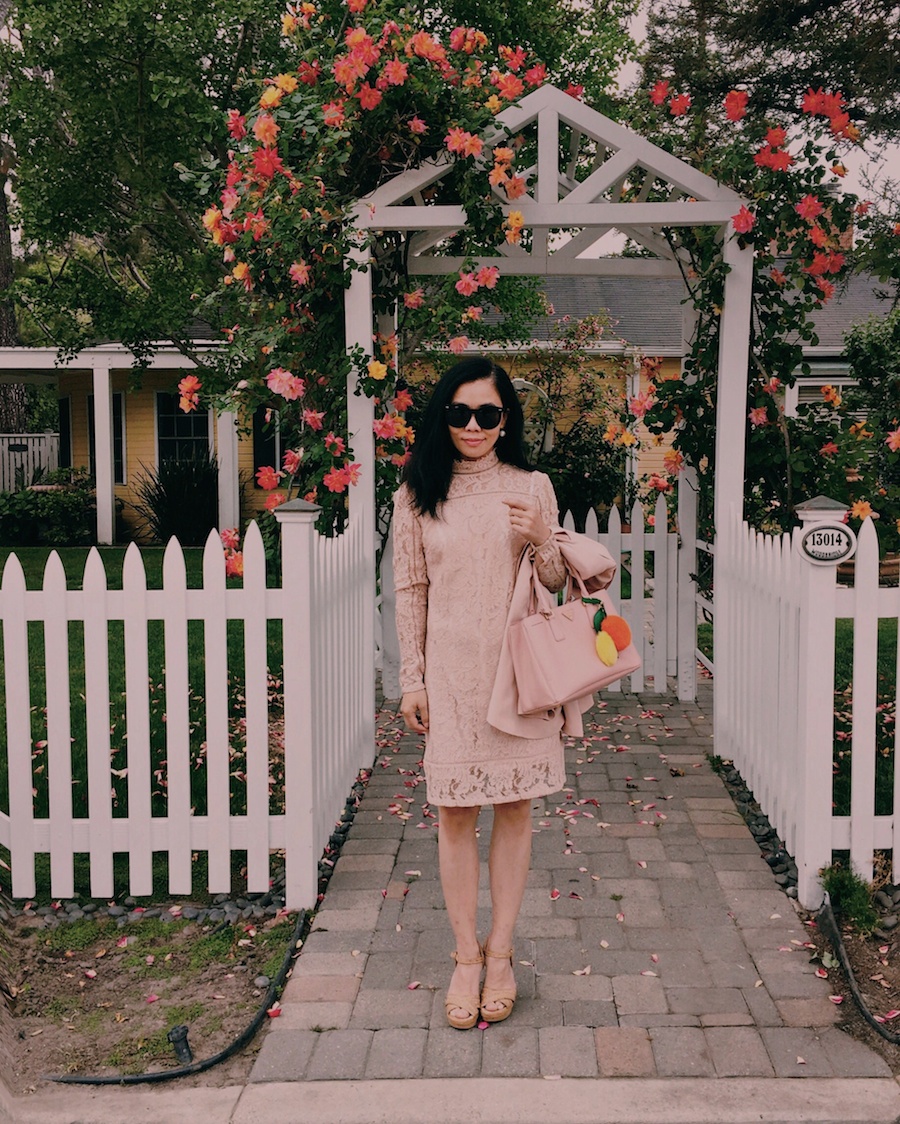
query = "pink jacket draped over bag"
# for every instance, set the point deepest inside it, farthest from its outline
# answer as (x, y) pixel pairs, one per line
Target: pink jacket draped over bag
(595, 566)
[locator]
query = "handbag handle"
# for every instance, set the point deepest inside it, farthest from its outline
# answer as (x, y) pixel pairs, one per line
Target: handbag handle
(540, 599)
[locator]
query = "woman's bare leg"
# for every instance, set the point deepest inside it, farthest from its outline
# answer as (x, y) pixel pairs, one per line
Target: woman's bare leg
(508, 862)
(458, 855)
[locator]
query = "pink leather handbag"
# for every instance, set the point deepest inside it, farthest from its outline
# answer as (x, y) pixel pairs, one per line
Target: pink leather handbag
(554, 652)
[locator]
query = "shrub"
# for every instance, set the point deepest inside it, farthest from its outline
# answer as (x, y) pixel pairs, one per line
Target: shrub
(53, 514)
(180, 498)
(851, 897)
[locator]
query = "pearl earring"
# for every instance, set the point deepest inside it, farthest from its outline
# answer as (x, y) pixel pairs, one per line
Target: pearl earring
(502, 432)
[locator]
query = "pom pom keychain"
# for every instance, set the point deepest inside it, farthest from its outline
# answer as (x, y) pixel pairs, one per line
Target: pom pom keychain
(613, 633)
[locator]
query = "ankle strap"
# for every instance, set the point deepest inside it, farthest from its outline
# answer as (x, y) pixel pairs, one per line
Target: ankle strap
(479, 959)
(499, 955)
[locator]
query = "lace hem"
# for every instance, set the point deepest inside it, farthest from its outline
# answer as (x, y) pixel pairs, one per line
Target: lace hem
(499, 782)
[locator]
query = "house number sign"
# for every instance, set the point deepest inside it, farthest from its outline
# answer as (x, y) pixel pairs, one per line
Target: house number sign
(824, 544)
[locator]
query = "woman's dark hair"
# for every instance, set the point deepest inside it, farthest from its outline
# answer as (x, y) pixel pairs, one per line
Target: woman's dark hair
(430, 467)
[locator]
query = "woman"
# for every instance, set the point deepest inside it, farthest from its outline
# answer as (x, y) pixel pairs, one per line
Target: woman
(468, 506)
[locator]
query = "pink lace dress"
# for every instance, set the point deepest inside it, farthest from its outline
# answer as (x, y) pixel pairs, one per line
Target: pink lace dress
(454, 578)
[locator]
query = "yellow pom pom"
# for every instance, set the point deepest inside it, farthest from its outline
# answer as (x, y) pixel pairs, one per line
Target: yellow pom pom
(606, 648)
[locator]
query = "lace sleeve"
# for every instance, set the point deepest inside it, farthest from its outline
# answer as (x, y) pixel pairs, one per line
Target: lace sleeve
(551, 569)
(411, 587)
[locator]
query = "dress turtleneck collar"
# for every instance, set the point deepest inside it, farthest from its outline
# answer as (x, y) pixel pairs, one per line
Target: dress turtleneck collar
(467, 467)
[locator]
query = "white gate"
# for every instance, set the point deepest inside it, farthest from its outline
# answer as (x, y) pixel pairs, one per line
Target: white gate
(778, 716)
(23, 454)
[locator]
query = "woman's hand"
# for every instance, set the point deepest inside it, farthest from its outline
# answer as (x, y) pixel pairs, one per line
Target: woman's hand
(414, 708)
(525, 517)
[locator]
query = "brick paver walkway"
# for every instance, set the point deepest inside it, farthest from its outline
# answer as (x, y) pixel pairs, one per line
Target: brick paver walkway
(668, 951)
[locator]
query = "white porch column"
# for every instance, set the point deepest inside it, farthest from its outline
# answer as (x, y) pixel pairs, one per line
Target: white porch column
(227, 457)
(104, 468)
(360, 415)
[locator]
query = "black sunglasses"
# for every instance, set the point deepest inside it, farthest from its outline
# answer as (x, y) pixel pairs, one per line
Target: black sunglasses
(459, 415)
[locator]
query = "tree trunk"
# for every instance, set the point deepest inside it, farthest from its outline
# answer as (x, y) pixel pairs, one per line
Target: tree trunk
(13, 400)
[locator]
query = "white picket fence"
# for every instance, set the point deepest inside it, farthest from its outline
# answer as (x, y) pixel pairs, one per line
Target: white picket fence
(328, 721)
(774, 701)
(652, 607)
(23, 454)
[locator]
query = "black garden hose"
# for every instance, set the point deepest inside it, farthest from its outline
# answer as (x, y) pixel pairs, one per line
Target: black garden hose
(828, 925)
(236, 1044)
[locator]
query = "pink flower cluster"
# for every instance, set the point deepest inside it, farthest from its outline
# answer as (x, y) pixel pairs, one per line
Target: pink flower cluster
(234, 558)
(281, 381)
(338, 479)
(470, 283)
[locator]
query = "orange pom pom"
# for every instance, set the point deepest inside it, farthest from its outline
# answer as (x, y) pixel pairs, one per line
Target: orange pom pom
(618, 629)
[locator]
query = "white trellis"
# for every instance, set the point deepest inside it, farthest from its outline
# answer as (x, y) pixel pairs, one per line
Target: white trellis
(566, 132)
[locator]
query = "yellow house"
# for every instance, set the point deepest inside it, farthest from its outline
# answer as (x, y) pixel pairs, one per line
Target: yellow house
(148, 427)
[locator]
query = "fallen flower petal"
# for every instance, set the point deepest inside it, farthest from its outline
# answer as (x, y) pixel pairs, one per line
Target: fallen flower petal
(554, 894)
(90, 973)
(412, 986)
(154, 998)
(836, 998)
(821, 973)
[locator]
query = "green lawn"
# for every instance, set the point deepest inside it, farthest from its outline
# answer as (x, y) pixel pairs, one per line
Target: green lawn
(33, 561)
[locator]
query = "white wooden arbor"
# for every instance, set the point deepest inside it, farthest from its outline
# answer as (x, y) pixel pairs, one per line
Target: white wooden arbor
(554, 206)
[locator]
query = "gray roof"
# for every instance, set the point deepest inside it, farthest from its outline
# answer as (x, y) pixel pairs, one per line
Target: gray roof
(646, 312)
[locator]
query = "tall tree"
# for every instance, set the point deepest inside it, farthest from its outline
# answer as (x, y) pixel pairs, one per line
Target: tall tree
(110, 106)
(778, 49)
(12, 395)
(106, 103)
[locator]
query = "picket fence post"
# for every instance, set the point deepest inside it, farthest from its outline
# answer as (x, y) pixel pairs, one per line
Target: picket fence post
(815, 726)
(297, 519)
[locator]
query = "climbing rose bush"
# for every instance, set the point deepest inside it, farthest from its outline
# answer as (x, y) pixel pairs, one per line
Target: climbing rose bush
(372, 95)
(803, 229)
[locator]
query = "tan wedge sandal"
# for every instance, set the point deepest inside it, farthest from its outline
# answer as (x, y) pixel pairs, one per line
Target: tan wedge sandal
(463, 1002)
(504, 995)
